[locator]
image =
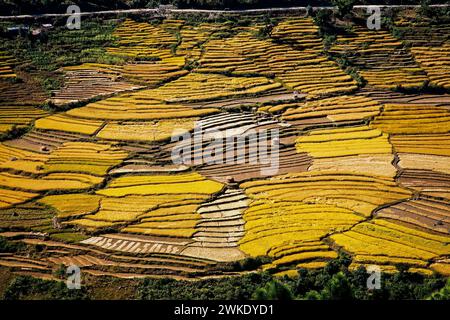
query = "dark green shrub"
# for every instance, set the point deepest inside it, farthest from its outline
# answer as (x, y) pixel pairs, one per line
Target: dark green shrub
(345, 7)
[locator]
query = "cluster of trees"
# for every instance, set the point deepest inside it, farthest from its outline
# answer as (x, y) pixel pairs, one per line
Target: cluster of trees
(334, 282)
(9, 246)
(13, 7)
(28, 288)
(337, 282)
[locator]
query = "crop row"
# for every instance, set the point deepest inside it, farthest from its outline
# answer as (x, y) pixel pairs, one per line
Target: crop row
(336, 109)
(412, 119)
(432, 144)
(338, 142)
(424, 162)
(302, 32)
(306, 71)
(381, 59)
(427, 182)
(432, 215)
(18, 116)
(7, 63)
(141, 39)
(155, 205)
(136, 106)
(84, 157)
(383, 238)
(436, 62)
(274, 226)
(356, 192)
(11, 197)
(86, 81)
(422, 32)
(53, 181)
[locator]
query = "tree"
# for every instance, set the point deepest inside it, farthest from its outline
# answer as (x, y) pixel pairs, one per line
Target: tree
(309, 11)
(443, 294)
(10, 246)
(273, 290)
(338, 288)
(313, 295)
(344, 6)
(305, 282)
(425, 8)
(322, 17)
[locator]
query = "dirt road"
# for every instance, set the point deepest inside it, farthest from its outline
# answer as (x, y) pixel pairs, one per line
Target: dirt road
(187, 11)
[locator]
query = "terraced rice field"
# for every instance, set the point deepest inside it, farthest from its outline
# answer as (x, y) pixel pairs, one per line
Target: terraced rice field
(430, 47)
(85, 82)
(16, 117)
(294, 65)
(23, 92)
(436, 63)
(363, 167)
(381, 59)
(7, 62)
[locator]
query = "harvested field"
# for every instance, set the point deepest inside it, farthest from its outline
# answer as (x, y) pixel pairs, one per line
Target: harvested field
(289, 161)
(426, 182)
(43, 141)
(425, 162)
(430, 214)
(24, 89)
(82, 83)
(238, 160)
(425, 144)
(134, 246)
(384, 96)
(221, 224)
